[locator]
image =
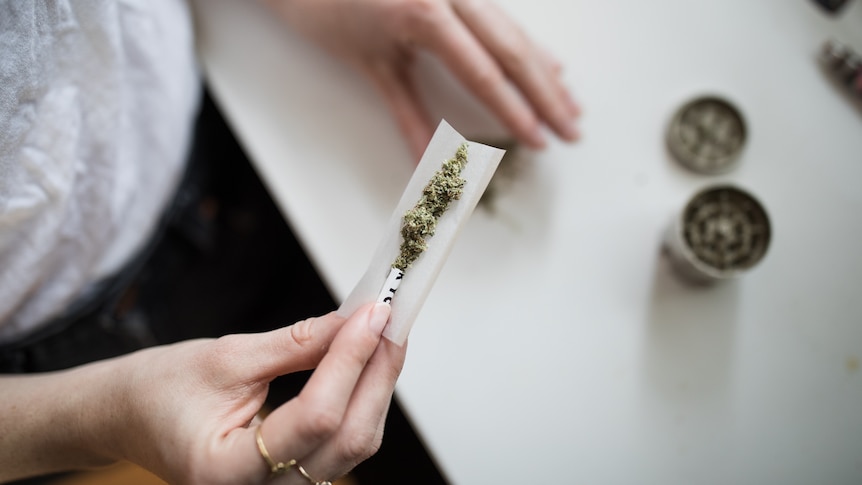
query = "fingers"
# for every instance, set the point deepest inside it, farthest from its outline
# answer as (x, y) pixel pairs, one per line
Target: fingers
(471, 63)
(530, 68)
(519, 82)
(303, 423)
(361, 433)
(553, 65)
(399, 91)
(552, 62)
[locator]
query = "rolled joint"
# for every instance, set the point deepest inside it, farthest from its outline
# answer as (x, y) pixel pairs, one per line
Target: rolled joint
(390, 286)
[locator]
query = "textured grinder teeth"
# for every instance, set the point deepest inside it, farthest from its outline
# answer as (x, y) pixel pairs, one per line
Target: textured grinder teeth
(726, 229)
(707, 135)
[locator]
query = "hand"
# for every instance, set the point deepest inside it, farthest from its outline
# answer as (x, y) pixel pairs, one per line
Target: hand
(189, 409)
(518, 81)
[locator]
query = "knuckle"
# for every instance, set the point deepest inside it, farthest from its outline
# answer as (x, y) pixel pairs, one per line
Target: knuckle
(516, 54)
(392, 371)
(486, 78)
(420, 16)
(301, 332)
(358, 447)
(422, 9)
(227, 344)
(472, 6)
(226, 351)
(320, 425)
(356, 357)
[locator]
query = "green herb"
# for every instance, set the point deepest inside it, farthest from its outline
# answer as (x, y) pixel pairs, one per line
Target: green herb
(420, 222)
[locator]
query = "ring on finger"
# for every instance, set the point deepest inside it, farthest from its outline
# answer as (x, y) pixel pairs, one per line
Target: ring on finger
(278, 468)
(275, 468)
(308, 477)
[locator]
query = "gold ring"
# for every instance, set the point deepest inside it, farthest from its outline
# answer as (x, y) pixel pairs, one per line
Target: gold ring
(308, 477)
(275, 468)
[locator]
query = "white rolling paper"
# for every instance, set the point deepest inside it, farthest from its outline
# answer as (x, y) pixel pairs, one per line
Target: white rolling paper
(416, 283)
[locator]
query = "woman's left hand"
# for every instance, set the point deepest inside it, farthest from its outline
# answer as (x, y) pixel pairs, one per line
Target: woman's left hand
(188, 409)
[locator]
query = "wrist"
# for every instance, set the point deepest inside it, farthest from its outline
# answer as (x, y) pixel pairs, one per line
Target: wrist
(51, 422)
(96, 409)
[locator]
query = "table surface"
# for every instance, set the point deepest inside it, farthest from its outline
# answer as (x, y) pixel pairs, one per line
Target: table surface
(557, 346)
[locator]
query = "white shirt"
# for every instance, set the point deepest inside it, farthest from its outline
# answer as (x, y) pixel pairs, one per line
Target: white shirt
(97, 101)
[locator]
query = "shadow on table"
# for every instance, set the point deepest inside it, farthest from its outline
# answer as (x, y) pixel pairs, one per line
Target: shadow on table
(689, 338)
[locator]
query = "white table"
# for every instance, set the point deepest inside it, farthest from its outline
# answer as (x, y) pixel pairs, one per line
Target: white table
(557, 347)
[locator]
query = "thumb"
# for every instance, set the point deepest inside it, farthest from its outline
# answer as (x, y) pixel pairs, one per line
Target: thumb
(293, 348)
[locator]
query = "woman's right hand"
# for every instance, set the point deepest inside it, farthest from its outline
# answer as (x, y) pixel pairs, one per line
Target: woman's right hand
(480, 44)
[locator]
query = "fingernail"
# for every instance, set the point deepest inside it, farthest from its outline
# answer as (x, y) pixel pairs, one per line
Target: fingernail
(378, 318)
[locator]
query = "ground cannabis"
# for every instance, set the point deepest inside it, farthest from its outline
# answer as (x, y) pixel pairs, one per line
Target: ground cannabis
(420, 222)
